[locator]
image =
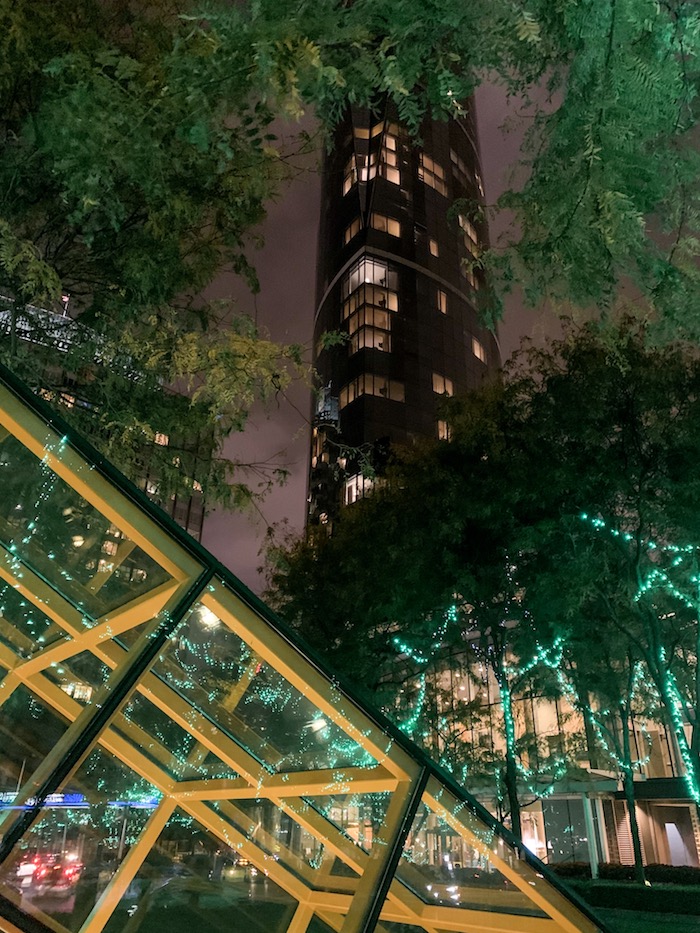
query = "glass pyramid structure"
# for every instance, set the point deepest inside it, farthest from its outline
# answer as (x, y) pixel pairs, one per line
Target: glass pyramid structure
(172, 759)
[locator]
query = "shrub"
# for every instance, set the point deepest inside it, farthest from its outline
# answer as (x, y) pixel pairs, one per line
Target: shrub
(673, 874)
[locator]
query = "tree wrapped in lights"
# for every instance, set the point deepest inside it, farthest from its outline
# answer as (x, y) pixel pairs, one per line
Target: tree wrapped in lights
(604, 679)
(660, 623)
(624, 471)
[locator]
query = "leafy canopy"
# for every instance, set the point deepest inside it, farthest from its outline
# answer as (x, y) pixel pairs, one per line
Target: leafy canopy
(136, 160)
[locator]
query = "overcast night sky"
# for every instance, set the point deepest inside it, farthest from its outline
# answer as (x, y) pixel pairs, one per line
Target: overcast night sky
(285, 308)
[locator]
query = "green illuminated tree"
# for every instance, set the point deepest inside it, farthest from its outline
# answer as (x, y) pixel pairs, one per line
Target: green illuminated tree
(623, 552)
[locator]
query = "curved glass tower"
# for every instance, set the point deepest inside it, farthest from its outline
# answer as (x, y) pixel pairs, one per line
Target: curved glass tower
(398, 286)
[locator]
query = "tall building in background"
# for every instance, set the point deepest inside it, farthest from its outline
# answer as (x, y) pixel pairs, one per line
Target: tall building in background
(396, 325)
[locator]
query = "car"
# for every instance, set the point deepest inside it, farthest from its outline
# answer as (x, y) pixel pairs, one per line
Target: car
(54, 876)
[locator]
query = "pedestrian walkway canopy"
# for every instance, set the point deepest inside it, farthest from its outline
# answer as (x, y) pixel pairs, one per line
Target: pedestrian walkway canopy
(171, 759)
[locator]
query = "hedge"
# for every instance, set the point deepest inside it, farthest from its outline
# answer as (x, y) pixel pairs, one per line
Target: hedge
(613, 871)
(657, 898)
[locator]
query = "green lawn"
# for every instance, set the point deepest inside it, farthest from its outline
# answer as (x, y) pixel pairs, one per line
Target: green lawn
(633, 921)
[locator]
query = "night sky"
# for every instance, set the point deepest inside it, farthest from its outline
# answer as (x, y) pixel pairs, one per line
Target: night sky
(285, 310)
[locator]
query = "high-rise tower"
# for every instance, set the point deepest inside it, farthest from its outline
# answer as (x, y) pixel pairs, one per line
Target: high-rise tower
(396, 323)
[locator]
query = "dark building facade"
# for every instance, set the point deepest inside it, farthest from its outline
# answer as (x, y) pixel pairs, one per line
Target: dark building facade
(396, 325)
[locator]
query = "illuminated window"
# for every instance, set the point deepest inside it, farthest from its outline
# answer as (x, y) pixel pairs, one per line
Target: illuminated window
(367, 166)
(79, 691)
(467, 267)
(479, 350)
(434, 248)
(385, 224)
(371, 384)
(352, 230)
(471, 237)
(318, 447)
(162, 440)
(389, 161)
(443, 431)
(432, 173)
(370, 338)
(441, 301)
(366, 315)
(442, 385)
(356, 487)
(363, 132)
(350, 174)
(371, 272)
(369, 294)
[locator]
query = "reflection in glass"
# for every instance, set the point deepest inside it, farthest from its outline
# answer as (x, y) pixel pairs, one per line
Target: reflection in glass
(28, 732)
(54, 531)
(154, 733)
(62, 865)
(358, 816)
(217, 672)
(280, 838)
(79, 676)
(192, 881)
(441, 867)
(24, 628)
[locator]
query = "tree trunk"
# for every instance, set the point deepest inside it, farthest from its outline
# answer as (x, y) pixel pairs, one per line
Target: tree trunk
(511, 772)
(628, 783)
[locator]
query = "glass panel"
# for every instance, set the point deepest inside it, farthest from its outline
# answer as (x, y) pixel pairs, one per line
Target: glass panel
(28, 732)
(61, 537)
(129, 638)
(191, 880)
(24, 628)
(68, 857)
(358, 816)
(281, 839)
(153, 732)
(217, 672)
(318, 926)
(79, 676)
(441, 867)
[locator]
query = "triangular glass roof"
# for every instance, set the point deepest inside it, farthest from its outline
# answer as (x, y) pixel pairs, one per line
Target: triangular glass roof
(171, 758)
